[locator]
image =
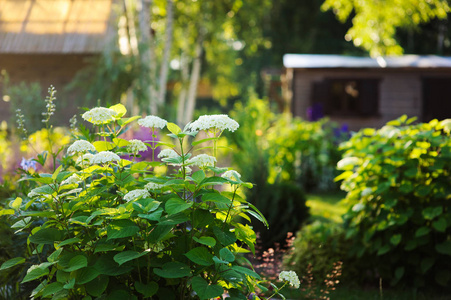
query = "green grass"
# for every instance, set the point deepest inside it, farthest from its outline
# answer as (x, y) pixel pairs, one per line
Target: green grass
(327, 206)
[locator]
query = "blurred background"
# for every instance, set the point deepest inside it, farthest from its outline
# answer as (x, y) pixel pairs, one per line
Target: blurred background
(301, 78)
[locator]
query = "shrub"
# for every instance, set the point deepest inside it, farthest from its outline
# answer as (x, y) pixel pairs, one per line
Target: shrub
(103, 226)
(316, 248)
(398, 183)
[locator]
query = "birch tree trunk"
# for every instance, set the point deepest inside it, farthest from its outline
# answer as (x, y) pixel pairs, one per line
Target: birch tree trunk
(148, 57)
(182, 96)
(194, 80)
(164, 69)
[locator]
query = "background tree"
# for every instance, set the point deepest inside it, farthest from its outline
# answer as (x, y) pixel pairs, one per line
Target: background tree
(374, 23)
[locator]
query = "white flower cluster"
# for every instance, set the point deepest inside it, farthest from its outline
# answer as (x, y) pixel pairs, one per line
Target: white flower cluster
(81, 146)
(136, 146)
(135, 194)
(153, 186)
(291, 277)
(221, 122)
(167, 153)
(104, 157)
(231, 175)
(74, 178)
(202, 161)
(188, 170)
(99, 115)
(152, 122)
(85, 159)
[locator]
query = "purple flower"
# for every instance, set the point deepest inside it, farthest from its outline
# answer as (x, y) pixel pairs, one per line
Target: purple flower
(315, 112)
(26, 164)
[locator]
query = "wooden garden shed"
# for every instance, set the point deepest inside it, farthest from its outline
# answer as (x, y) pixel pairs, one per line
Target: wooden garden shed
(49, 41)
(367, 92)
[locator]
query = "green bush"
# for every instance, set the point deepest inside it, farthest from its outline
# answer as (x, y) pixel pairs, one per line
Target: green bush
(398, 183)
(320, 244)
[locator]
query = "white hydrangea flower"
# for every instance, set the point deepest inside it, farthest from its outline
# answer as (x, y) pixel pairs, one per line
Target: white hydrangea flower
(153, 186)
(85, 159)
(367, 191)
(167, 153)
(136, 146)
(99, 115)
(74, 178)
(202, 161)
(135, 194)
(291, 277)
(105, 157)
(32, 194)
(81, 146)
(221, 122)
(152, 122)
(231, 175)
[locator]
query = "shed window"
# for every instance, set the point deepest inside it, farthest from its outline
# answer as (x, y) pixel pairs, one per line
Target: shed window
(347, 97)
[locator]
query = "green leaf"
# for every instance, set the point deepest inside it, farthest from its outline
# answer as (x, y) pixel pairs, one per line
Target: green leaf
(203, 141)
(85, 275)
(205, 240)
(119, 109)
(108, 247)
(16, 203)
(430, 213)
(35, 274)
(57, 171)
(46, 236)
(216, 197)
(159, 232)
(103, 146)
(97, 286)
(224, 237)
(125, 121)
(422, 231)
(383, 250)
(246, 271)
(12, 262)
(126, 256)
(198, 176)
(69, 242)
(200, 256)
(120, 142)
(173, 270)
(440, 224)
(106, 265)
(51, 289)
(173, 219)
(4, 212)
(202, 218)
(173, 128)
(77, 262)
(399, 272)
(444, 248)
(148, 290)
(395, 239)
(205, 290)
(442, 277)
(426, 264)
(121, 229)
(226, 255)
(176, 205)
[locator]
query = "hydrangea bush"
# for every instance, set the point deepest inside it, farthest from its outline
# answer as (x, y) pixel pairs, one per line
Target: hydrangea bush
(102, 226)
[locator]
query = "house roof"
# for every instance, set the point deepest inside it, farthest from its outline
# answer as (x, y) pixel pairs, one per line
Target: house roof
(55, 26)
(309, 61)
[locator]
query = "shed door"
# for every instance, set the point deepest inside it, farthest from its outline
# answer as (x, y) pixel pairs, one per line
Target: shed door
(436, 98)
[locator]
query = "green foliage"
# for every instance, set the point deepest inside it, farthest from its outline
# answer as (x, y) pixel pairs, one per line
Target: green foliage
(116, 228)
(374, 25)
(398, 184)
(320, 244)
(283, 157)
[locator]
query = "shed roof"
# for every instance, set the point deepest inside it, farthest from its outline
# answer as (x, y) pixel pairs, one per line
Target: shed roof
(309, 61)
(55, 26)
